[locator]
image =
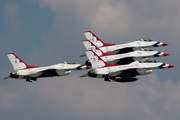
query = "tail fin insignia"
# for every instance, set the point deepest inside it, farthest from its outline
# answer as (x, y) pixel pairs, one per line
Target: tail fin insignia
(18, 63)
(91, 46)
(96, 61)
(94, 39)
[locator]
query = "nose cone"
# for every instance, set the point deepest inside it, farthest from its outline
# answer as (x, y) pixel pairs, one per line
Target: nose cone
(170, 66)
(164, 44)
(160, 54)
(159, 44)
(164, 65)
(165, 54)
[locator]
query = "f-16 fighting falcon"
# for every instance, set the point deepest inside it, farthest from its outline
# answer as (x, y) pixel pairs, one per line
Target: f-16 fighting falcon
(121, 48)
(120, 59)
(31, 73)
(120, 73)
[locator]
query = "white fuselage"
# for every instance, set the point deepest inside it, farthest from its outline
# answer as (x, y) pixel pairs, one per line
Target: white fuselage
(60, 69)
(116, 48)
(142, 68)
(135, 54)
(135, 44)
(102, 68)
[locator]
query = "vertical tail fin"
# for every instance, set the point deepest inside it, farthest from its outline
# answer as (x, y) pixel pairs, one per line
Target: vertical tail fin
(91, 46)
(94, 39)
(17, 62)
(96, 61)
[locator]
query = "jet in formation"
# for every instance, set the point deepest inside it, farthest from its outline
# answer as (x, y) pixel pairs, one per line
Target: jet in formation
(127, 61)
(125, 58)
(122, 48)
(31, 73)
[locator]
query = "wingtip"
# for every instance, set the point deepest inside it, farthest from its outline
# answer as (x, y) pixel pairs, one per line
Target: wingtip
(82, 55)
(85, 75)
(7, 77)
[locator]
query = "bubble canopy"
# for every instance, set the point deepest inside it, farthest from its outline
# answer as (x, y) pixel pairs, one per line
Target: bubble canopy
(145, 39)
(69, 62)
(147, 60)
(146, 49)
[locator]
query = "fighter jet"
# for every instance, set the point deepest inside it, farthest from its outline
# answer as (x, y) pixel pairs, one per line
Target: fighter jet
(120, 73)
(120, 59)
(122, 48)
(31, 73)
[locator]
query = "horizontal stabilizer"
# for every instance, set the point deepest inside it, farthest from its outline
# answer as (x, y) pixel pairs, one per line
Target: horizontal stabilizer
(83, 55)
(7, 77)
(85, 75)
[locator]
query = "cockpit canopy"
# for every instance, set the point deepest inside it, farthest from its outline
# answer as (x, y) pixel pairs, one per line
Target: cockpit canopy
(145, 39)
(146, 49)
(69, 62)
(147, 60)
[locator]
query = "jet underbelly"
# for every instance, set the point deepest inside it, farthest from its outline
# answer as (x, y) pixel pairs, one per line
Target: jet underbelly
(36, 74)
(63, 72)
(53, 72)
(115, 73)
